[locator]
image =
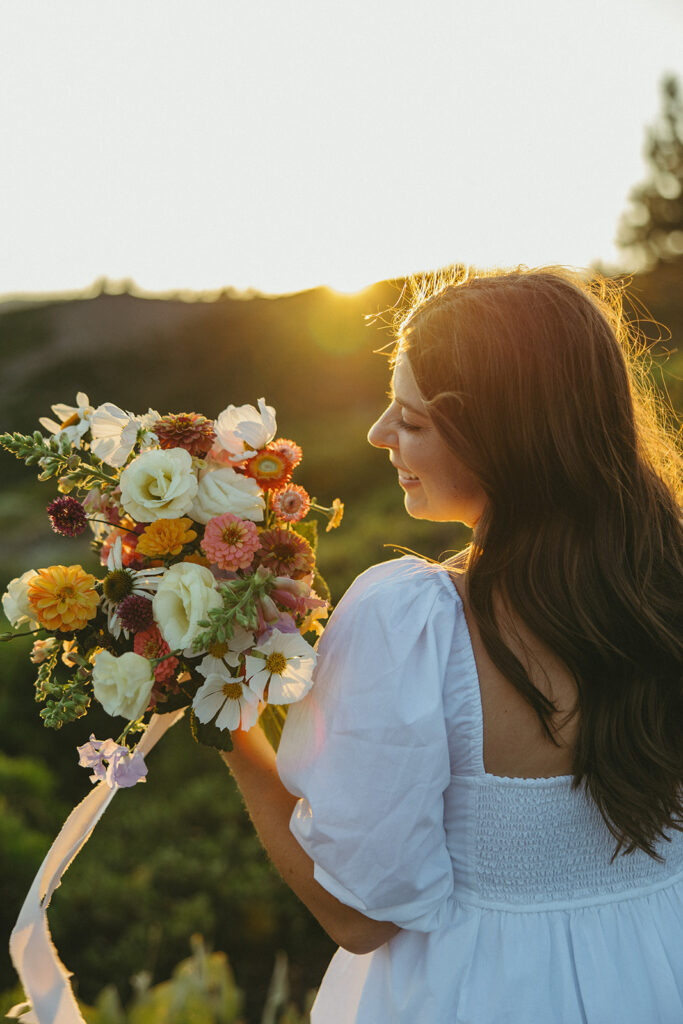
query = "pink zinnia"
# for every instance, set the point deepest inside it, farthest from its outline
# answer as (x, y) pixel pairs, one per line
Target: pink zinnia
(291, 503)
(150, 644)
(230, 542)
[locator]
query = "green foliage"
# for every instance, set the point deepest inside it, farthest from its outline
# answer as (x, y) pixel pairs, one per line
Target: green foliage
(209, 734)
(201, 989)
(651, 230)
(65, 700)
(309, 531)
(56, 459)
(240, 597)
(272, 721)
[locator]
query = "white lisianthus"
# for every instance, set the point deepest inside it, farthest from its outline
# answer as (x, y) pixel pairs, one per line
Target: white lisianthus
(15, 602)
(285, 666)
(186, 595)
(74, 420)
(122, 685)
(226, 490)
(242, 430)
(159, 484)
(114, 433)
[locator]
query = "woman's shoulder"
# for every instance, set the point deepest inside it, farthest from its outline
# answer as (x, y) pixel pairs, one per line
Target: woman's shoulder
(402, 579)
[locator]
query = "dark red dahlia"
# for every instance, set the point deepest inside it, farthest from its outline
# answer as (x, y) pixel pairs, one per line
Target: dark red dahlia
(67, 516)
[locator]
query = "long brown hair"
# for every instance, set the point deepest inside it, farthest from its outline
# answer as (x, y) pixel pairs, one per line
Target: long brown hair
(532, 379)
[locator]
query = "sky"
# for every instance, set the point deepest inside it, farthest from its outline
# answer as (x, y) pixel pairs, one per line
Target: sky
(282, 145)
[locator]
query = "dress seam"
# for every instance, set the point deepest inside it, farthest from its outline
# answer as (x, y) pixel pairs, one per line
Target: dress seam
(603, 899)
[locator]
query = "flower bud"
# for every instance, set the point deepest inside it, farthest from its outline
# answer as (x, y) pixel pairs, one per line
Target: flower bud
(299, 588)
(269, 609)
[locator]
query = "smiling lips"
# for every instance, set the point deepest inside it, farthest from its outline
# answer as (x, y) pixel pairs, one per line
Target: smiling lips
(405, 480)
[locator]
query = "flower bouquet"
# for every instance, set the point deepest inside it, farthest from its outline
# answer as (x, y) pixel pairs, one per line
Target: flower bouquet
(208, 595)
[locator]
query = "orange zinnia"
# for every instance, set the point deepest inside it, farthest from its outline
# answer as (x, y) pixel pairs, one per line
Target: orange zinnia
(63, 597)
(165, 537)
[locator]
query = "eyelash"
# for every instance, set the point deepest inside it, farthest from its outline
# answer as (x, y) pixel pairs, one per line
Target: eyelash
(410, 427)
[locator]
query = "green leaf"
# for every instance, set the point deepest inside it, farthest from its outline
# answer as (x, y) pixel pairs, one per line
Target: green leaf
(210, 735)
(272, 721)
(173, 702)
(321, 588)
(309, 531)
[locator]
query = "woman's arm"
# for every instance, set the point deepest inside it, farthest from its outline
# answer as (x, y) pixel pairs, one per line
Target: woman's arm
(270, 805)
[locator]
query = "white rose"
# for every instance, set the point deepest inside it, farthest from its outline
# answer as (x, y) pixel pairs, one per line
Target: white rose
(185, 596)
(122, 685)
(225, 490)
(15, 602)
(242, 429)
(159, 484)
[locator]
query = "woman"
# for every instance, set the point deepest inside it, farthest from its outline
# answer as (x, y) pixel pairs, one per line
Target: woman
(485, 784)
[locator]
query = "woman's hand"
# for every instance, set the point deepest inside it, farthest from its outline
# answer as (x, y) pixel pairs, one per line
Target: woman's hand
(252, 762)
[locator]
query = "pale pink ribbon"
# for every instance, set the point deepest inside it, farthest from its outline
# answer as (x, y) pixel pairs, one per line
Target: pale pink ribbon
(43, 976)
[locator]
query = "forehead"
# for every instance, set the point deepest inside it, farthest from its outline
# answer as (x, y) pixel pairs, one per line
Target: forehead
(403, 383)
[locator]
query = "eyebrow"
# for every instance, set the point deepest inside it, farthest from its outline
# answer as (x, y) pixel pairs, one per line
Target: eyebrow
(406, 405)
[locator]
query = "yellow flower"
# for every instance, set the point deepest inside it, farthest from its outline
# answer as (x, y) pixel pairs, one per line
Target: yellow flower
(63, 597)
(337, 514)
(165, 537)
(198, 559)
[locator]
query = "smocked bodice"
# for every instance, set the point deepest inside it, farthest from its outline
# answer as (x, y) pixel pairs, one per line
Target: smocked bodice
(538, 842)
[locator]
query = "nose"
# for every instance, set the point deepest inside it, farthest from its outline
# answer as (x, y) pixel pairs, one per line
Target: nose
(380, 434)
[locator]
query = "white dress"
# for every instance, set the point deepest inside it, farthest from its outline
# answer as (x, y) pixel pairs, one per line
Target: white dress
(510, 910)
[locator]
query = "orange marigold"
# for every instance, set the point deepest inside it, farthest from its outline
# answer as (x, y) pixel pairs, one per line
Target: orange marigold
(166, 537)
(198, 558)
(63, 597)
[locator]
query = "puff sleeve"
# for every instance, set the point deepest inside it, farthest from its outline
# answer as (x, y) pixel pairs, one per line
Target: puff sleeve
(367, 750)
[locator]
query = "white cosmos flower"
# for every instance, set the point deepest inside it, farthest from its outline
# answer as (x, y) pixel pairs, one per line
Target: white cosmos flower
(220, 656)
(143, 582)
(242, 430)
(235, 703)
(74, 420)
(286, 667)
(114, 433)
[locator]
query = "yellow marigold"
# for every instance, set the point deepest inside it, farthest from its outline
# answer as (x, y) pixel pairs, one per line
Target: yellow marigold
(63, 597)
(165, 537)
(197, 558)
(337, 515)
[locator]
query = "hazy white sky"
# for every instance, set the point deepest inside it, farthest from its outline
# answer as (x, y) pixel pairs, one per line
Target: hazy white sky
(282, 144)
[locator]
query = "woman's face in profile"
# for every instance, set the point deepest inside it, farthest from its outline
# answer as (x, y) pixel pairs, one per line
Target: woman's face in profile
(437, 485)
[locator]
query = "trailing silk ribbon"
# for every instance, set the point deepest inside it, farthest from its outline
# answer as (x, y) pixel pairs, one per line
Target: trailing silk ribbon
(44, 977)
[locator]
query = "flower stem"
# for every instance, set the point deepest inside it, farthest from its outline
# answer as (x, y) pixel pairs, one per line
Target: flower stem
(13, 636)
